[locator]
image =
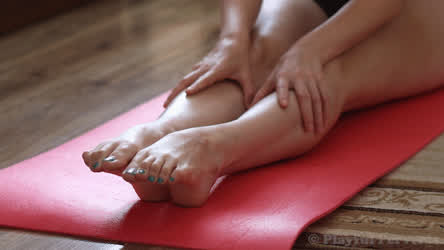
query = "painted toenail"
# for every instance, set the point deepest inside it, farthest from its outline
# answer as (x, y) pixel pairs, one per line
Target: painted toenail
(171, 179)
(140, 171)
(110, 158)
(160, 180)
(95, 165)
(131, 171)
(151, 178)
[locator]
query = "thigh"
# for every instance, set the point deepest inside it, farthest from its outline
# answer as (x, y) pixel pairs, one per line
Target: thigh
(403, 58)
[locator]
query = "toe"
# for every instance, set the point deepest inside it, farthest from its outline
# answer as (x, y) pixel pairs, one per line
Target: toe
(167, 168)
(87, 158)
(154, 171)
(172, 177)
(129, 174)
(96, 156)
(142, 171)
(120, 157)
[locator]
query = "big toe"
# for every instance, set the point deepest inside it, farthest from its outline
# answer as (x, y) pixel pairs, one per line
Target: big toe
(117, 160)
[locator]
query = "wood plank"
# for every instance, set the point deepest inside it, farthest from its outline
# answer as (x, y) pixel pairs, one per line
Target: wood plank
(17, 240)
(424, 171)
(96, 74)
(399, 200)
(18, 13)
(376, 229)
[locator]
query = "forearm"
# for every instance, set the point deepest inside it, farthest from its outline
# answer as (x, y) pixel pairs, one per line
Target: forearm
(354, 23)
(238, 17)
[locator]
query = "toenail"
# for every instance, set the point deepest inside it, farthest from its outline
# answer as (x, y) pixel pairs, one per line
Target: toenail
(171, 179)
(160, 180)
(110, 158)
(131, 171)
(95, 165)
(140, 171)
(151, 178)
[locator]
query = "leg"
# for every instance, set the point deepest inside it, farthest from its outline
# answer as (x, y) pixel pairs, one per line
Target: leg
(264, 134)
(402, 59)
(291, 18)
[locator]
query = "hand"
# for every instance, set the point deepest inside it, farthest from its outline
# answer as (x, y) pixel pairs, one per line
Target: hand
(300, 70)
(228, 60)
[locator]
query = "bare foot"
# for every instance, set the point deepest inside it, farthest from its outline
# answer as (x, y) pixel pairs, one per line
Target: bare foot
(113, 156)
(188, 161)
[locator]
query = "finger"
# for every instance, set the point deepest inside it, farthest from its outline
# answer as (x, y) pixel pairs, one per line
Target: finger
(196, 66)
(248, 89)
(203, 82)
(304, 100)
(264, 91)
(183, 84)
(282, 91)
(324, 106)
(317, 105)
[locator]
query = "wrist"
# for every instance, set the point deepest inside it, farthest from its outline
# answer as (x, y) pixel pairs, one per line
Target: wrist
(236, 43)
(312, 51)
(242, 36)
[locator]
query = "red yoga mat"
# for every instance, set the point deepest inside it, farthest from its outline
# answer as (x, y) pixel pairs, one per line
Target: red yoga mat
(265, 208)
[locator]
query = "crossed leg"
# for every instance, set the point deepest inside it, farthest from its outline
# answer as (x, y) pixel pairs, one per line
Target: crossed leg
(279, 25)
(403, 58)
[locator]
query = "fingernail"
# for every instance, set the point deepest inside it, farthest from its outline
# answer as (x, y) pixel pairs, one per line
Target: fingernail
(171, 179)
(131, 171)
(151, 178)
(160, 180)
(95, 165)
(110, 158)
(140, 171)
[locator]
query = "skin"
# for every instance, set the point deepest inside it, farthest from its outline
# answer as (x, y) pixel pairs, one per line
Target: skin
(229, 59)
(301, 68)
(402, 55)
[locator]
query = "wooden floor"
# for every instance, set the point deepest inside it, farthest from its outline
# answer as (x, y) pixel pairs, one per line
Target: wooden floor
(69, 74)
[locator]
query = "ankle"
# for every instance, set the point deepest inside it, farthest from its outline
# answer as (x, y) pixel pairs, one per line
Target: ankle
(165, 127)
(147, 133)
(225, 140)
